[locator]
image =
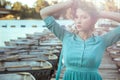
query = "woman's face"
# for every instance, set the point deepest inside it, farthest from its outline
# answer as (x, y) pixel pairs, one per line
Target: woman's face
(83, 21)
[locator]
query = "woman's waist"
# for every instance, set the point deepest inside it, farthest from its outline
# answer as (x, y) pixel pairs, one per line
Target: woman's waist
(81, 69)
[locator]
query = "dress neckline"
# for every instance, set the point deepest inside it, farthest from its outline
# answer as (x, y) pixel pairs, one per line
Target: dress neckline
(88, 39)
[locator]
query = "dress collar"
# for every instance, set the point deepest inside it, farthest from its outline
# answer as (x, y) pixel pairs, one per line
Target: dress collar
(78, 38)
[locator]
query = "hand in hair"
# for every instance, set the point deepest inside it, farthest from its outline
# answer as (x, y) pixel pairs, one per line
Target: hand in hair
(50, 10)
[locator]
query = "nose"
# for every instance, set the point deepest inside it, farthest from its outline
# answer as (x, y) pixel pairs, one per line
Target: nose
(79, 22)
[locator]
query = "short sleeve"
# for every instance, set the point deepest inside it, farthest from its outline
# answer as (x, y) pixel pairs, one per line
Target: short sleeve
(54, 27)
(112, 37)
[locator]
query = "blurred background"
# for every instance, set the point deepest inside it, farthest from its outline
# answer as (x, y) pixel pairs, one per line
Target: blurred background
(24, 37)
(25, 9)
(19, 17)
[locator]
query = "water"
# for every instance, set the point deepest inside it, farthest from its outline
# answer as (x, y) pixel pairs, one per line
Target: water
(7, 32)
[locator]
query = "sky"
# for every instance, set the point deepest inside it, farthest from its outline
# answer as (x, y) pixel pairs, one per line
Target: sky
(30, 2)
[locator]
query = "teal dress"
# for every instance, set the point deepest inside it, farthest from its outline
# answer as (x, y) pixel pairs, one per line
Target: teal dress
(82, 58)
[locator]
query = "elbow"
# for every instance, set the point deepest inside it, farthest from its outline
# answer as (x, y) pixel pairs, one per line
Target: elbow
(42, 14)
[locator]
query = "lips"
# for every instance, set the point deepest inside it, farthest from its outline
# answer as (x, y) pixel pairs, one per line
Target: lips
(78, 25)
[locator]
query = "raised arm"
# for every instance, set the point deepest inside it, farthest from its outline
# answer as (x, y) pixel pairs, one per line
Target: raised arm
(47, 14)
(51, 10)
(110, 15)
(114, 35)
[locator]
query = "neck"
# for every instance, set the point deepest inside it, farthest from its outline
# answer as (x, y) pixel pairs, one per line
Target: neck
(85, 34)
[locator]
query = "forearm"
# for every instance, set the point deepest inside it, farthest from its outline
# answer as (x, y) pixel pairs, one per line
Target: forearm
(110, 15)
(50, 10)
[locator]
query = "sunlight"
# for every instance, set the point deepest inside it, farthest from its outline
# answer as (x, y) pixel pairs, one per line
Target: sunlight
(30, 3)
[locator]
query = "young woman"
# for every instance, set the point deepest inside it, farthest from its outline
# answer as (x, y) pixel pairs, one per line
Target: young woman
(82, 51)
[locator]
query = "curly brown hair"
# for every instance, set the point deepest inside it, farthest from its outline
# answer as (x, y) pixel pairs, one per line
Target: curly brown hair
(88, 7)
